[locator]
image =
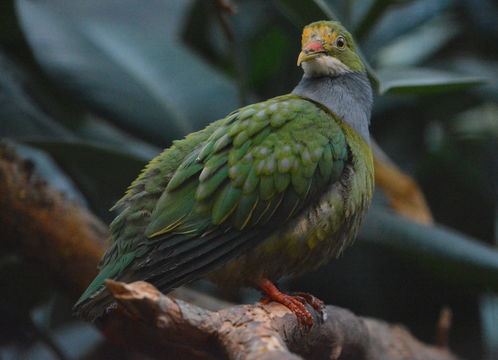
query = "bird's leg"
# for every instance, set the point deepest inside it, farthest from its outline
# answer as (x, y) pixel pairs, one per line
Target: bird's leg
(293, 303)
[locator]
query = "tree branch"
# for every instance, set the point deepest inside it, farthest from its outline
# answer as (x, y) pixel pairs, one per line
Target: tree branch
(42, 226)
(403, 192)
(256, 331)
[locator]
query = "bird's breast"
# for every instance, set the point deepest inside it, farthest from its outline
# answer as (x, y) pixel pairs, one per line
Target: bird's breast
(320, 232)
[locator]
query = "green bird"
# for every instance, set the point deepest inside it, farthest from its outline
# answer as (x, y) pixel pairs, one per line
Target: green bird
(272, 190)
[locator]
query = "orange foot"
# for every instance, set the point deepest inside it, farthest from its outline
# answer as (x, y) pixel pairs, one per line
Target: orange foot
(295, 303)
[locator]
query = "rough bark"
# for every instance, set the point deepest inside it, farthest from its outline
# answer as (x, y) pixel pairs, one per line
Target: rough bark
(41, 225)
(254, 331)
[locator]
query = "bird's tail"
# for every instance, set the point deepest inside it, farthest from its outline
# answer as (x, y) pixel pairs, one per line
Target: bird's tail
(96, 300)
(92, 308)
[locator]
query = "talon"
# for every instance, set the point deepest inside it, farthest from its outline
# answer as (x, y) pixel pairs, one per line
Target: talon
(314, 302)
(295, 303)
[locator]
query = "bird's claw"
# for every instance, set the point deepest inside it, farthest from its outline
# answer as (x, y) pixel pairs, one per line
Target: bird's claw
(314, 302)
(295, 303)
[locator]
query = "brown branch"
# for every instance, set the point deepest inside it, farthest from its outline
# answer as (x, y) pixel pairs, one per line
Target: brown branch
(42, 226)
(402, 191)
(443, 328)
(256, 331)
(224, 8)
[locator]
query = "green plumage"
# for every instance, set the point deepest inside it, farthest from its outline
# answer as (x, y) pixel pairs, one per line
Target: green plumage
(225, 174)
(273, 189)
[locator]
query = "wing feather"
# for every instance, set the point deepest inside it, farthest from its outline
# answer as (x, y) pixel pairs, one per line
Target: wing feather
(259, 169)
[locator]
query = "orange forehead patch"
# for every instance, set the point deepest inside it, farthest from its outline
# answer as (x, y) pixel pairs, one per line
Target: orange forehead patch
(322, 32)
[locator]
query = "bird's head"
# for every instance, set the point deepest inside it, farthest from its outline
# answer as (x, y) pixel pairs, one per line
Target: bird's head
(328, 49)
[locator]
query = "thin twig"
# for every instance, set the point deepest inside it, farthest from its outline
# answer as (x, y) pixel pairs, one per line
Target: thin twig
(443, 327)
(225, 9)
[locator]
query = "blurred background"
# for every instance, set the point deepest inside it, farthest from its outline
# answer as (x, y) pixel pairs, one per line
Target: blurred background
(91, 90)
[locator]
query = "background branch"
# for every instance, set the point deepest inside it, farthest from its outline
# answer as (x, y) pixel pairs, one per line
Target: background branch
(402, 191)
(43, 226)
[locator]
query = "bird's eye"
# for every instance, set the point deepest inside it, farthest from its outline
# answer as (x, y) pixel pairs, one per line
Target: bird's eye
(340, 42)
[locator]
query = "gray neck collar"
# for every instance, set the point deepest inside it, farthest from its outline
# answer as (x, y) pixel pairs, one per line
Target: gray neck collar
(348, 96)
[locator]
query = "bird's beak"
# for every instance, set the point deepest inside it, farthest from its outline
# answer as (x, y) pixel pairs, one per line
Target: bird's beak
(310, 51)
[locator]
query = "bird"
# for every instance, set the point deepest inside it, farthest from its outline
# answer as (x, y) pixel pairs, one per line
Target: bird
(272, 190)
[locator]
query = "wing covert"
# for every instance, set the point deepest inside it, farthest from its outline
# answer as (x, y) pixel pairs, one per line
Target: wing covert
(266, 162)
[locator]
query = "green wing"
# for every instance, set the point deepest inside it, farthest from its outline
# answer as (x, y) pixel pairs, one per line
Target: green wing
(258, 170)
(270, 156)
(243, 178)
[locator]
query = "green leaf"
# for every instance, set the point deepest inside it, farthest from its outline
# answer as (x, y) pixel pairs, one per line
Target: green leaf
(23, 109)
(420, 81)
(130, 65)
(400, 20)
(488, 307)
(446, 252)
(327, 9)
(406, 50)
(97, 130)
(269, 51)
(30, 109)
(475, 65)
(477, 122)
(372, 15)
(301, 13)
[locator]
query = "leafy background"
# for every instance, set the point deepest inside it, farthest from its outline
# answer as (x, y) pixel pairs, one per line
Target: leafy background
(90, 90)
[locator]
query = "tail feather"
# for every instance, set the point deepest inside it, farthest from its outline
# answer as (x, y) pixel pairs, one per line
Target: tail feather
(92, 308)
(96, 300)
